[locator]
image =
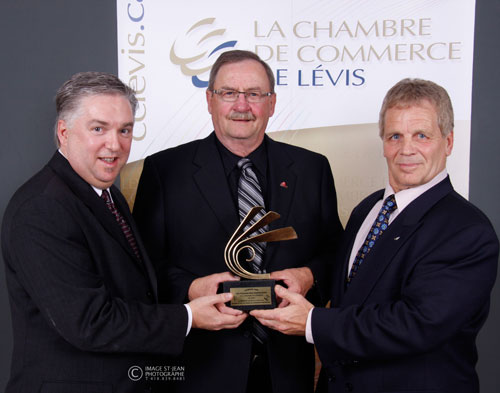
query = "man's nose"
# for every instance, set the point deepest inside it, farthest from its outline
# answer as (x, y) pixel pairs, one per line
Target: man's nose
(408, 146)
(112, 140)
(241, 103)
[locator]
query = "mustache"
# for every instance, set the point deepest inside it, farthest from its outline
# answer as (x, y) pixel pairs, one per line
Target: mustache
(241, 116)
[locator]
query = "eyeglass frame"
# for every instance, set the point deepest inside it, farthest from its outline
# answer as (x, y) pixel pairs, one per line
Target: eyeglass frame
(219, 92)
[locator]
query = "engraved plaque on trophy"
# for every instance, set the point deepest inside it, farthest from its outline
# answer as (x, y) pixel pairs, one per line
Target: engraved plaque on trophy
(256, 291)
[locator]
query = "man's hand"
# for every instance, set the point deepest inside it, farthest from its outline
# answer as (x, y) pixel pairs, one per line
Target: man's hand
(289, 320)
(298, 280)
(206, 314)
(208, 285)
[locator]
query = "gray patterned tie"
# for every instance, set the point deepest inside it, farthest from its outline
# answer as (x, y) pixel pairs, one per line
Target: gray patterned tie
(250, 195)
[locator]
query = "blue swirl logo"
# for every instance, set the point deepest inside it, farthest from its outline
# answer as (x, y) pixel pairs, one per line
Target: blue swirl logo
(184, 62)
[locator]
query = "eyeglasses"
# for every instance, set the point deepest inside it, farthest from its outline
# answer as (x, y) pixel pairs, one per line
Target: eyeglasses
(252, 96)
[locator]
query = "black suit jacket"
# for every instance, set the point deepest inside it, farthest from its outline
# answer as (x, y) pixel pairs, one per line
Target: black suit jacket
(186, 214)
(409, 319)
(83, 307)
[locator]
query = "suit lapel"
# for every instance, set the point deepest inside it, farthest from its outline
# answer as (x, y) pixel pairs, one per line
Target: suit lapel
(399, 232)
(209, 177)
(281, 183)
(89, 197)
(145, 264)
(355, 221)
(378, 260)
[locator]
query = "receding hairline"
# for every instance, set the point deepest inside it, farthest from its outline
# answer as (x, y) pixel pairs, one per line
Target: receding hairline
(244, 61)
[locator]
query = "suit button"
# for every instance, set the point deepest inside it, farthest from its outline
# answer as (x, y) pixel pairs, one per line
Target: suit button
(149, 295)
(332, 378)
(349, 387)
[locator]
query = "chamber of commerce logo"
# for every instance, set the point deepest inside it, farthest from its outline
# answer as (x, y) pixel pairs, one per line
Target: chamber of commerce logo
(184, 62)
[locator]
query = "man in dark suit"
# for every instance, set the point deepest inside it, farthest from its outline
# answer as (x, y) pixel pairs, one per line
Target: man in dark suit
(414, 273)
(82, 289)
(187, 207)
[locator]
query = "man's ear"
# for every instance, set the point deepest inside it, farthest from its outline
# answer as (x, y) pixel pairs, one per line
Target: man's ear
(209, 96)
(62, 132)
(449, 143)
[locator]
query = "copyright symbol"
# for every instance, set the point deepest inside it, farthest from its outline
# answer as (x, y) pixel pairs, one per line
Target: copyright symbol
(135, 373)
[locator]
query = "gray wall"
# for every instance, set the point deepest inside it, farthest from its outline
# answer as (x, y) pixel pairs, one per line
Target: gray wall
(485, 167)
(44, 43)
(48, 41)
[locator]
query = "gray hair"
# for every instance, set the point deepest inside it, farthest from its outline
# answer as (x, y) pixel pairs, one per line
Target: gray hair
(85, 84)
(235, 56)
(412, 91)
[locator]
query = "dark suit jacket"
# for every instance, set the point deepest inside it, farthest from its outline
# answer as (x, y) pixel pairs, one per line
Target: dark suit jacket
(409, 319)
(186, 214)
(83, 307)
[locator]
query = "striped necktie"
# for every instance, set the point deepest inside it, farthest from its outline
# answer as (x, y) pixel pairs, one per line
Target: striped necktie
(127, 232)
(250, 195)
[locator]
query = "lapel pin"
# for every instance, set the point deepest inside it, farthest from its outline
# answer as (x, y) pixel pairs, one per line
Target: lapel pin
(397, 237)
(283, 184)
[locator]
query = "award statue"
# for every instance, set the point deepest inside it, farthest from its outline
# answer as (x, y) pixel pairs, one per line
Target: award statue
(257, 291)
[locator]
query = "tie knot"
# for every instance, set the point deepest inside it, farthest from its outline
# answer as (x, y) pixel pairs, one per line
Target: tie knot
(105, 195)
(390, 203)
(244, 163)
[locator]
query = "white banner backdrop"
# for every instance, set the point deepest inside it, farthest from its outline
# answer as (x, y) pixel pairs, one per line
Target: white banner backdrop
(333, 60)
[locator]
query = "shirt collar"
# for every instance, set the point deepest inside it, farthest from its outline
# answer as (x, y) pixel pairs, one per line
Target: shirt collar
(97, 190)
(230, 160)
(405, 197)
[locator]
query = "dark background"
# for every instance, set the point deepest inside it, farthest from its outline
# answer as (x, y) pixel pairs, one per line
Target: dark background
(45, 42)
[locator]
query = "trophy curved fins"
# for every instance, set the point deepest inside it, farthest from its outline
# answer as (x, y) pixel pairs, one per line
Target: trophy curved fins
(276, 235)
(236, 244)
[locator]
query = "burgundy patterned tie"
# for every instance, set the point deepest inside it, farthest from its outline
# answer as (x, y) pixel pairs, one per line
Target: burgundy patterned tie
(127, 232)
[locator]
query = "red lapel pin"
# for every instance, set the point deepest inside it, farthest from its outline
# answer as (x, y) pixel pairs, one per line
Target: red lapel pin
(283, 184)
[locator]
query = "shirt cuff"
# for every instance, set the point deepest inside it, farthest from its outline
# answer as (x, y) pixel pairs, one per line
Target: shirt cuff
(190, 318)
(309, 335)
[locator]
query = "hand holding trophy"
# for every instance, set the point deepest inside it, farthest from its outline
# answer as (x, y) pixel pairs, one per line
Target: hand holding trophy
(258, 290)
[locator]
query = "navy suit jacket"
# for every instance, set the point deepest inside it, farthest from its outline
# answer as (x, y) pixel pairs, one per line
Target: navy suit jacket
(186, 214)
(409, 319)
(83, 306)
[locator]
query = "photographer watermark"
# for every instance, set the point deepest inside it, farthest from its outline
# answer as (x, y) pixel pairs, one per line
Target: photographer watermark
(156, 373)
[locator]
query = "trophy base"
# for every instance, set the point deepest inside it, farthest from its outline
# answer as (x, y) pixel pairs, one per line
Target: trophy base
(251, 294)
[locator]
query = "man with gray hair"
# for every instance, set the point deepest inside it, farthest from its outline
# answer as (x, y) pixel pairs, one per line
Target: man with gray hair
(82, 288)
(414, 273)
(192, 197)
